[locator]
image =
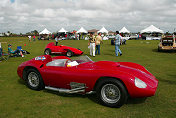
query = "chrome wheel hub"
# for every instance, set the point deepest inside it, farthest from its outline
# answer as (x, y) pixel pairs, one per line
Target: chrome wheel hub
(33, 79)
(68, 54)
(47, 52)
(110, 93)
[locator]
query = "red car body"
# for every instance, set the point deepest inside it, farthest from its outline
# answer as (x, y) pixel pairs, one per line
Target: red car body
(61, 49)
(90, 73)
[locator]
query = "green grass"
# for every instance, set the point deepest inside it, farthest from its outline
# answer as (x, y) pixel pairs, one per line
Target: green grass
(17, 101)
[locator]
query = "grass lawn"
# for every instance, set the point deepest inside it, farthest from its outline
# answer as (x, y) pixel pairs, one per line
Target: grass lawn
(17, 101)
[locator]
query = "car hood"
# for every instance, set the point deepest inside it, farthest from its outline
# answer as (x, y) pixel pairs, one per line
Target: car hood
(127, 68)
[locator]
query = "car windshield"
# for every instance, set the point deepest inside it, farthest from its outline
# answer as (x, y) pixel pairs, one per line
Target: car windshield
(82, 59)
(69, 63)
(58, 62)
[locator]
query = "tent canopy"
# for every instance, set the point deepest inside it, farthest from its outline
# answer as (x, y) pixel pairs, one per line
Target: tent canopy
(152, 29)
(103, 30)
(124, 30)
(62, 30)
(81, 30)
(45, 31)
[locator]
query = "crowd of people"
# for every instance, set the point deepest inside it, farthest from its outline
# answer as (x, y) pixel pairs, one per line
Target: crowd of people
(95, 41)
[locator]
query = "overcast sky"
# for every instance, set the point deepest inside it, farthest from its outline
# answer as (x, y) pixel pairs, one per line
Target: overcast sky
(27, 15)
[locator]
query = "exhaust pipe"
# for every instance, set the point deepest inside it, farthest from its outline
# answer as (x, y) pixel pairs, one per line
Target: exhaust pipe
(61, 90)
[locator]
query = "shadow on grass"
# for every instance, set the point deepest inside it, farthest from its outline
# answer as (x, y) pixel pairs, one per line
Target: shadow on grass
(136, 100)
(64, 94)
(20, 81)
(91, 97)
(164, 51)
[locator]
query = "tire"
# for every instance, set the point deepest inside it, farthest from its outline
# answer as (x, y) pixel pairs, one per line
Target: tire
(69, 53)
(47, 52)
(34, 80)
(159, 49)
(111, 92)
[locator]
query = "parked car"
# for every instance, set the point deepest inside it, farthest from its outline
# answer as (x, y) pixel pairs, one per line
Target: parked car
(113, 82)
(111, 36)
(72, 37)
(167, 43)
(51, 48)
(133, 36)
(123, 41)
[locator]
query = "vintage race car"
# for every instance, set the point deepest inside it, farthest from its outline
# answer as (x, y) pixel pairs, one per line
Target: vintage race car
(51, 48)
(113, 82)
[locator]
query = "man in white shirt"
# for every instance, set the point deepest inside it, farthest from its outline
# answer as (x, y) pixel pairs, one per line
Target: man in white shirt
(92, 44)
(29, 38)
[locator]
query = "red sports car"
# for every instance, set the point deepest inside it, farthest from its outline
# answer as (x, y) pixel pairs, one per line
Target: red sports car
(113, 82)
(51, 48)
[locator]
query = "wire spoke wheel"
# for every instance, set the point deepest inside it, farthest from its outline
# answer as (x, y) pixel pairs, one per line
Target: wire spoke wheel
(110, 93)
(47, 52)
(69, 54)
(33, 79)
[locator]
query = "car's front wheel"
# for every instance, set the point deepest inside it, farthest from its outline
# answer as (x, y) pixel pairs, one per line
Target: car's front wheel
(34, 80)
(47, 52)
(111, 93)
(69, 53)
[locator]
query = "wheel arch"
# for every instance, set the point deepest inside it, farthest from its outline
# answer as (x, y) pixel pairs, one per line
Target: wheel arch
(27, 68)
(106, 77)
(70, 51)
(41, 84)
(47, 49)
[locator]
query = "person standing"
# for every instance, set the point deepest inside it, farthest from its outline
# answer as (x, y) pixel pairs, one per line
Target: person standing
(56, 39)
(0, 50)
(117, 44)
(92, 44)
(78, 36)
(34, 38)
(29, 38)
(98, 41)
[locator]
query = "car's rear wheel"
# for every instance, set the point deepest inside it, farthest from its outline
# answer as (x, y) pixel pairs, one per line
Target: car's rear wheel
(69, 53)
(111, 92)
(47, 52)
(34, 80)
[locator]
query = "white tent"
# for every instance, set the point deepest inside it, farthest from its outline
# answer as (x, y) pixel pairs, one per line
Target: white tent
(45, 31)
(124, 30)
(81, 30)
(152, 29)
(103, 30)
(62, 30)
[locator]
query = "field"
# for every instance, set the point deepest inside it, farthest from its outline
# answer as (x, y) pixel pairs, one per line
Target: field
(17, 101)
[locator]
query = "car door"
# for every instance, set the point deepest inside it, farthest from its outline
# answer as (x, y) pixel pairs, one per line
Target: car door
(57, 76)
(82, 74)
(60, 77)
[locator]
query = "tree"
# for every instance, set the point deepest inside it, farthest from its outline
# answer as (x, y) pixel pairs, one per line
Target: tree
(35, 32)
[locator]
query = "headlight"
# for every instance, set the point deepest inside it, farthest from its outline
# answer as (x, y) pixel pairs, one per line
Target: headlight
(139, 83)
